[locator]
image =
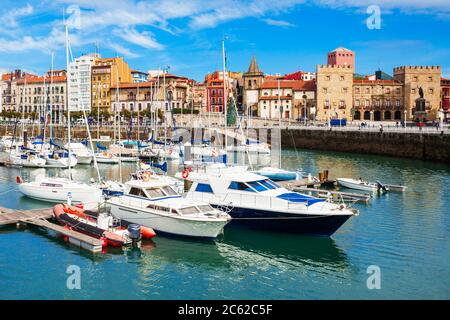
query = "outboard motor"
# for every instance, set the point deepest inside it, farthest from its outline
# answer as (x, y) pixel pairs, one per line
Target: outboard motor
(381, 187)
(134, 232)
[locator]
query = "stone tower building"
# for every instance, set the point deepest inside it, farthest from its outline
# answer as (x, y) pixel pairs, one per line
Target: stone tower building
(334, 92)
(253, 80)
(414, 77)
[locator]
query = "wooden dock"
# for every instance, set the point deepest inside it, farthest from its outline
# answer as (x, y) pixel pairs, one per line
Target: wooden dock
(38, 218)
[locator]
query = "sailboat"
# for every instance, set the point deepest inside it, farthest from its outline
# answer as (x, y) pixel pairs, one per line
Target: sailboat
(63, 189)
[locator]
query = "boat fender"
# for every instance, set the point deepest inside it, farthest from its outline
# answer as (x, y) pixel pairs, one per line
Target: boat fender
(185, 173)
(56, 156)
(79, 206)
(19, 180)
(110, 155)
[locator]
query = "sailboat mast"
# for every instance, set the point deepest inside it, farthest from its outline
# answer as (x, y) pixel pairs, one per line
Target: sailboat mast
(67, 102)
(225, 93)
(279, 120)
(120, 120)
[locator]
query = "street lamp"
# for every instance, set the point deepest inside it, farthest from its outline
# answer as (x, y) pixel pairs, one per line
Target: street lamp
(405, 112)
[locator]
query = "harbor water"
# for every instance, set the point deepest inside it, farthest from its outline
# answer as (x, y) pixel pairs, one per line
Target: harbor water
(406, 235)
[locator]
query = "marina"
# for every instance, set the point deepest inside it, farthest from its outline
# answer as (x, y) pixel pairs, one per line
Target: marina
(386, 232)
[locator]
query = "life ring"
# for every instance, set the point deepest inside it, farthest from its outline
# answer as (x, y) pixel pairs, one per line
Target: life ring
(19, 180)
(185, 173)
(110, 155)
(146, 176)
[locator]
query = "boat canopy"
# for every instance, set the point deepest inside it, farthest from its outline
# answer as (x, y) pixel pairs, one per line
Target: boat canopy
(101, 147)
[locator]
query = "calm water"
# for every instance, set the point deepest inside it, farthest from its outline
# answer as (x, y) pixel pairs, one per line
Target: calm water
(406, 235)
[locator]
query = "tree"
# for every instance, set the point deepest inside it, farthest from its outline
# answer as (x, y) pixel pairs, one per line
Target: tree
(231, 112)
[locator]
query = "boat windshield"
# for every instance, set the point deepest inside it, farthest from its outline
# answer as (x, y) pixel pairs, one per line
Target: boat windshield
(137, 192)
(269, 184)
(189, 210)
(257, 186)
(155, 193)
(169, 191)
(205, 208)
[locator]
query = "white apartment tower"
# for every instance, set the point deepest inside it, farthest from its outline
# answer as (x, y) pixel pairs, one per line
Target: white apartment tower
(79, 82)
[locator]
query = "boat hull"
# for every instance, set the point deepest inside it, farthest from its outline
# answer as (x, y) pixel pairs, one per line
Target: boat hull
(320, 225)
(84, 159)
(59, 195)
(278, 176)
(356, 186)
(169, 225)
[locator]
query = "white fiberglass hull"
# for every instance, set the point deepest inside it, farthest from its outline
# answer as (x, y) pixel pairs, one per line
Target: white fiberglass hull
(355, 184)
(35, 162)
(81, 193)
(84, 159)
(174, 225)
(106, 159)
(61, 162)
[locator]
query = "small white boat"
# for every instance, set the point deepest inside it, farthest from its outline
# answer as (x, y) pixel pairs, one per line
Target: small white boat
(106, 157)
(59, 189)
(83, 153)
(60, 159)
(26, 158)
(359, 184)
(153, 203)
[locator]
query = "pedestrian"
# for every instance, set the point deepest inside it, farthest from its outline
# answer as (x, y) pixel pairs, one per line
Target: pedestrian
(396, 124)
(381, 128)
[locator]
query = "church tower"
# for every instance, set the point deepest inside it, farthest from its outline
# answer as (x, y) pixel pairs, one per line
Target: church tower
(253, 80)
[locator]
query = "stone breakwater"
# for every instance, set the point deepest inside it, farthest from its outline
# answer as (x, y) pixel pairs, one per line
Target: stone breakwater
(425, 146)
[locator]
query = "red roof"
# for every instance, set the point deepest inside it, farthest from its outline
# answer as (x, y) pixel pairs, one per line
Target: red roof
(37, 79)
(293, 76)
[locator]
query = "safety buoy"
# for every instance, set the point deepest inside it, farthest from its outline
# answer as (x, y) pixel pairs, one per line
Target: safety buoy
(185, 173)
(110, 155)
(146, 176)
(19, 180)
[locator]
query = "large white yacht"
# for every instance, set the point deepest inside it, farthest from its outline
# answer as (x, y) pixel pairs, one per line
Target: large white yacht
(153, 203)
(259, 203)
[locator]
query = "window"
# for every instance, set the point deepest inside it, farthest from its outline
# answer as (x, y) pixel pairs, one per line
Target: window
(341, 78)
(189, 210)
(137, 192)
(415, 79)
(430, 79)
(268, 184)
(431, 91)
(205, 208)
(234, 185)
(258, 187)
(328, 78)
(153, 193)
(203, 187)
(356, 103)
(357, 90)
(169, 191)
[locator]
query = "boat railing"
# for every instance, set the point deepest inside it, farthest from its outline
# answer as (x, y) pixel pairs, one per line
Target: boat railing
(251, 200)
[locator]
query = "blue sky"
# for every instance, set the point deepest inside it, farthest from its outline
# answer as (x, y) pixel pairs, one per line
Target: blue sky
(285, 35)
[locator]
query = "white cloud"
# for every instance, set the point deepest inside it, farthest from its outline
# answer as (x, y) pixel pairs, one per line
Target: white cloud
(143, 39)
(279, 23)
(121, 50)
(10, 18)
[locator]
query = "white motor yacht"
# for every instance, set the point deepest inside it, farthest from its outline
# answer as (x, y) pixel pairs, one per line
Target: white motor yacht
(257, 202)
(153, 203)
